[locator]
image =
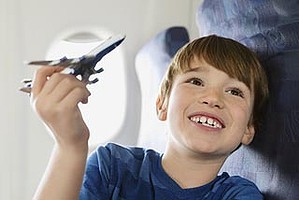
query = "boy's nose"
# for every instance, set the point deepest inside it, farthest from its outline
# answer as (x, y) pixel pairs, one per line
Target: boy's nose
(212, 98)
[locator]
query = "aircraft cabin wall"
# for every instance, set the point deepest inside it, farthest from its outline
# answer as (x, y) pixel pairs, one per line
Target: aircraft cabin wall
(28, 29)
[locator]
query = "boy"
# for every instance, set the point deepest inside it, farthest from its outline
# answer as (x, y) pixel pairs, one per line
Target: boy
(210, 99)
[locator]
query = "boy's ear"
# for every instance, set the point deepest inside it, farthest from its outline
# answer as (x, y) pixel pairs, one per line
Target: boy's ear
(161, 108)
(249, 134)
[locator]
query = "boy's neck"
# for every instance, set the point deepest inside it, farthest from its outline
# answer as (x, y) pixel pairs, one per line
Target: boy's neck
(190, 171)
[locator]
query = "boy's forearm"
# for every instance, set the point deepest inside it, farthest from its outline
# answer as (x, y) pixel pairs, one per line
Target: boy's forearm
(64, 174)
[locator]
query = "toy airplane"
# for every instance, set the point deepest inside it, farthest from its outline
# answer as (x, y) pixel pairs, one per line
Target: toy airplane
(84, 65)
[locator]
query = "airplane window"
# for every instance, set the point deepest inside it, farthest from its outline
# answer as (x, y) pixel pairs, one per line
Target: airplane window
(105, 110)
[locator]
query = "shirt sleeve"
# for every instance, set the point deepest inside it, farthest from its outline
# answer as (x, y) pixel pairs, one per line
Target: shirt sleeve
(96, 178)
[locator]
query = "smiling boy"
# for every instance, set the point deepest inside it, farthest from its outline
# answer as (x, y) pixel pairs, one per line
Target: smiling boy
(210, 99)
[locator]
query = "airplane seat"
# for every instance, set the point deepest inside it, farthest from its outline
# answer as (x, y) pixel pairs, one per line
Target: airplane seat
(151, 63)
(271, 29)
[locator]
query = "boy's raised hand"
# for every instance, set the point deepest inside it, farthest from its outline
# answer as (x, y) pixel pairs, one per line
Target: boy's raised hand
(55, 97)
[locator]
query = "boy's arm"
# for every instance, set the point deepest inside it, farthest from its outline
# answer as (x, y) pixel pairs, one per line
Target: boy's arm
(55, 98)
(63, 176)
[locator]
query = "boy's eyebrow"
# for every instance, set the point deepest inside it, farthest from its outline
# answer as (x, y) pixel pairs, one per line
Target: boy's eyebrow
(196, 69)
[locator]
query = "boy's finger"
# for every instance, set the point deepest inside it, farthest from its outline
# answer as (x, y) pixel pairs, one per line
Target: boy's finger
(65, 84)
(41, 76)
(76, 95)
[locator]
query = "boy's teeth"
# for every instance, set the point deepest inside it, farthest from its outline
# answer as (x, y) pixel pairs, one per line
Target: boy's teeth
(206, 121)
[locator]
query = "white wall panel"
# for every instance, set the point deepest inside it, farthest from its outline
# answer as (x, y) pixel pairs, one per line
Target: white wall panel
(27, 28)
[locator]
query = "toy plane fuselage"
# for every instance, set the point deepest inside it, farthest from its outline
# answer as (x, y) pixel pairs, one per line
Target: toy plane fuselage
(84, 65)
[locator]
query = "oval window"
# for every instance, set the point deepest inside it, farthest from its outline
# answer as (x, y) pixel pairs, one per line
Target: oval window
(105, 111)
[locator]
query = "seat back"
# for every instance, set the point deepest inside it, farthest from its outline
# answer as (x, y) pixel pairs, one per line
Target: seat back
(270, 28)
(151, 63)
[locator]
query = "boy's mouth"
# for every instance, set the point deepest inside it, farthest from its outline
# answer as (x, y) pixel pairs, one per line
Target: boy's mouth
(207, 121)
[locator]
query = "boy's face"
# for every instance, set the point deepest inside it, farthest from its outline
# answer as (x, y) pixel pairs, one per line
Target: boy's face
(207, 111)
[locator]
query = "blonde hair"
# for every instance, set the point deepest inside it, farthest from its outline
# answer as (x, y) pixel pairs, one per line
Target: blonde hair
(226, 55)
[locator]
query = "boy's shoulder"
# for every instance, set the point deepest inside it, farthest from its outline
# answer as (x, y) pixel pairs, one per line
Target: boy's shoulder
(236, 187)
(225, 178)
(119, 151)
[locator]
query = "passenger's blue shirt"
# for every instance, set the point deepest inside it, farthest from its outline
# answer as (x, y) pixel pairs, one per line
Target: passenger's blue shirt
(123, 173)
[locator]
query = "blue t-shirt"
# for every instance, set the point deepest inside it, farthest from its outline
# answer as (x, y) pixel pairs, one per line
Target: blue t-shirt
(122, 173)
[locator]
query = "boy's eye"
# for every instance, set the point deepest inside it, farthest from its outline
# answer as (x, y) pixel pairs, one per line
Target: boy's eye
(236, 92)
(196, 81)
